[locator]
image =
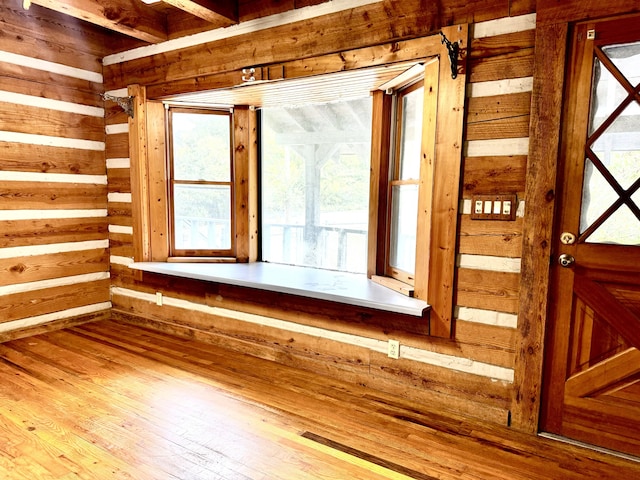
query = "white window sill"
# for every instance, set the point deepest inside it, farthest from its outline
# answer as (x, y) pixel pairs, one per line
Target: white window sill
(347, 288)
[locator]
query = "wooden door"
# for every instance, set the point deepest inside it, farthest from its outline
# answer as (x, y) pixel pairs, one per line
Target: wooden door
(592, 363)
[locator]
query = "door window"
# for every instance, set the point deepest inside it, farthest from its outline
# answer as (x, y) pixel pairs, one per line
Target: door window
(610, 210)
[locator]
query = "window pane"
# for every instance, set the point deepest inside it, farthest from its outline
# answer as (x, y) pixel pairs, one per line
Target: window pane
(315, 185)
(404, 224)
(411, 134)
(202, 217)
(201, 146)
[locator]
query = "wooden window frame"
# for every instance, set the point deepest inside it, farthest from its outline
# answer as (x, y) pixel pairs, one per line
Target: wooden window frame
(439, 188)
(395, 161)
(171, 182)
(440, 181)
(150, 189)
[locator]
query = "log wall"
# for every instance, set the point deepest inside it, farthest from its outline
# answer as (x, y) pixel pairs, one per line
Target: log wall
(472, 373)
(54, 264)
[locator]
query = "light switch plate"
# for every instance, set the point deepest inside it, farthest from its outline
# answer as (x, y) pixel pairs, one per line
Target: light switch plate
(494, 207)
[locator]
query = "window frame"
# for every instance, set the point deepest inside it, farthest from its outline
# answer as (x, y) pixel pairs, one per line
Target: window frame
(171, 182)
(396, 173)
(439, 231)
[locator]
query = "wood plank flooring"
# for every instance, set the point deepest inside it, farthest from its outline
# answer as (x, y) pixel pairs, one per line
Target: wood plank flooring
(107, 400)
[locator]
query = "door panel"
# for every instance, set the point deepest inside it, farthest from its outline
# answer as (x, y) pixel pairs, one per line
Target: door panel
(592, 361)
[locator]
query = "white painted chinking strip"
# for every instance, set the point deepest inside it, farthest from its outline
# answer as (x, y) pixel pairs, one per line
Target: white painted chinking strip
(117, 128)
(498, 147)
(49, 141)
(44, 65)
(486, 317)
(488, 262)
(501, 26)
(50, 104)
(123, 229)
(53, 177)
(53, 248)
(51, 283)
(51, 214)
(118, 197)
(118, 260)
(118, 163)
(505, 86)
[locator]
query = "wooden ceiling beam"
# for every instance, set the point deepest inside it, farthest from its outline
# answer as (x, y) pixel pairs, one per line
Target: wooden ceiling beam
(213, 11)
(124, 16)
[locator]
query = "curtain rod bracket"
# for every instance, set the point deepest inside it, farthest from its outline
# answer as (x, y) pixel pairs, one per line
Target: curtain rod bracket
(453, 49)
(126, 103)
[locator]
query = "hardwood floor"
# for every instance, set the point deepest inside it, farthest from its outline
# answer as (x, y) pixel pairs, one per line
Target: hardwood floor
(107, 400)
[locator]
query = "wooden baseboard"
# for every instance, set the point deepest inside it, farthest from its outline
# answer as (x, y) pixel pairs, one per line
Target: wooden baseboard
(55, 325)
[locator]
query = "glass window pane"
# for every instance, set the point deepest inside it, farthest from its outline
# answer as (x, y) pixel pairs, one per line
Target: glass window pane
(621, 228)
(202, 217)
(201, 146)
(315, 184)
(607, 94)
(404, 224)
(411, 134)
(627, 59)
(597, 196)
(618, 148)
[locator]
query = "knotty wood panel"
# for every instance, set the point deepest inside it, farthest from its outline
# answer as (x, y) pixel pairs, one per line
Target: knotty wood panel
(368, 25)
(509, 65)
(322, 314)
(490, 237)
(74, 51)
(24, 119)
(473, 388)
(512, 127)
(488, 290)
(304, 351)
(39, 83)
(14, 233)
(550, 12)
(499, 174)
(330, 317)
(24, 305)
(42, 34)
(24, 157)
(501, 44)
(114, 114)
(120, 214)
(45, 267)
(119, 179)
(46, 195)
(121, 250)
(497, 107)
(496, 343)
(117, 145)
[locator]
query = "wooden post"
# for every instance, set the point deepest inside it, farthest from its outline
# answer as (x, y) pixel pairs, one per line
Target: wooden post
(139, 175)
(446, 187)
(546, 110)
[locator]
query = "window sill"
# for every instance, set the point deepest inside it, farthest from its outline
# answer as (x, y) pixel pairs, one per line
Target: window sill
(340, 287)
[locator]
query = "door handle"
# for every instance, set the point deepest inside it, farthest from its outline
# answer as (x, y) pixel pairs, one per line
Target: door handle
(566, 260)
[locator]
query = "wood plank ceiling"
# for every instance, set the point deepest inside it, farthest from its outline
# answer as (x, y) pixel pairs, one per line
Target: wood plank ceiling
(155, 21)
